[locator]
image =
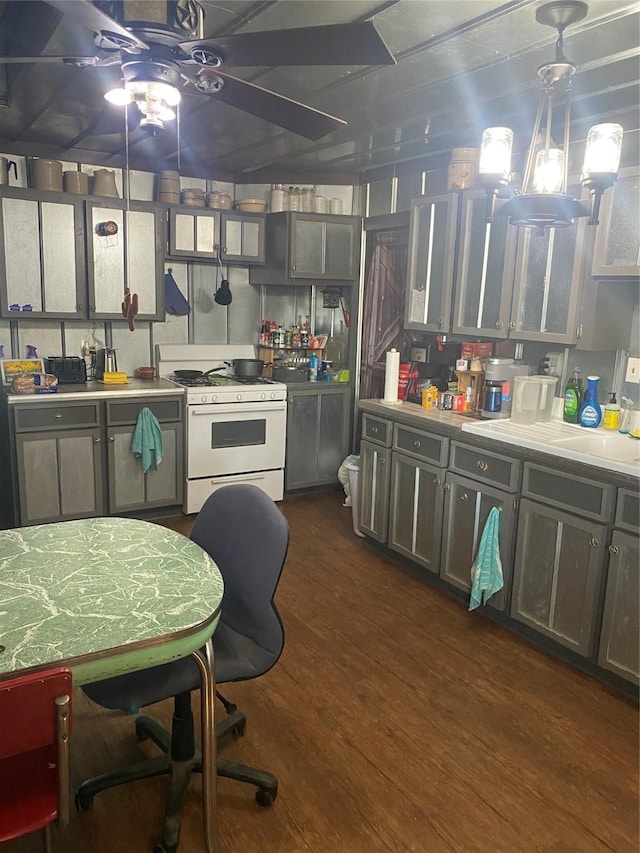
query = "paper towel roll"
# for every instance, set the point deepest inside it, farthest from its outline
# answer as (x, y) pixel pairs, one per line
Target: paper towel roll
(391, 373)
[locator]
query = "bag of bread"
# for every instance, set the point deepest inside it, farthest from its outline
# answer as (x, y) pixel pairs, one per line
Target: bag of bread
(35, 383)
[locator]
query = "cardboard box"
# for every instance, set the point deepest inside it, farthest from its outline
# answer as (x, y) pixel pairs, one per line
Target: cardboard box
(476, 349)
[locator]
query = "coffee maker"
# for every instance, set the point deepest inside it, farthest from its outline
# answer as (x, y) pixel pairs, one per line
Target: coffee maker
(497, 389)
(105, 362)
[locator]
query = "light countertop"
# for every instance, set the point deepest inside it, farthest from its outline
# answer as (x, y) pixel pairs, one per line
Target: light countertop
(96, 390)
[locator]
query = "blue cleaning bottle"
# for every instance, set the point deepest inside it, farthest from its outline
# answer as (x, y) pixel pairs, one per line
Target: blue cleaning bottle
(590, 413)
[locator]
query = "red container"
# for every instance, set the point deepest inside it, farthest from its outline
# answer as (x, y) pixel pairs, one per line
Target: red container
(405, 376)
(476, 349)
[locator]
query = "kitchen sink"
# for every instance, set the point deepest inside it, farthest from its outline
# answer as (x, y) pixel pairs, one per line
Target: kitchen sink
(601, 448)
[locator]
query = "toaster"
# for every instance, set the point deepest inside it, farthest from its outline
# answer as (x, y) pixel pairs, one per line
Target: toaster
(69, 369)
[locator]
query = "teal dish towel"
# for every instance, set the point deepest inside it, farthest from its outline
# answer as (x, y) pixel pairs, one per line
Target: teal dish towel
(146, 442)
(486, 572)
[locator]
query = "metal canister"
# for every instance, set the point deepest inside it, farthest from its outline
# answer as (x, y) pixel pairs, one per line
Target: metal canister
(493, 396)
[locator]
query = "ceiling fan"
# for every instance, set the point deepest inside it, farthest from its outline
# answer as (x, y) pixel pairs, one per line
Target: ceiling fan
(162, 58)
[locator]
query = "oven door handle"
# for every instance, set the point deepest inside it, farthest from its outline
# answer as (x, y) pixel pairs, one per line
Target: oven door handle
(237, 478)
(208, 411)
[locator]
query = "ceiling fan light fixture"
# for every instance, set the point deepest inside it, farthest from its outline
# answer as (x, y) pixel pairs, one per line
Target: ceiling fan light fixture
(119, 97)
(543, 201)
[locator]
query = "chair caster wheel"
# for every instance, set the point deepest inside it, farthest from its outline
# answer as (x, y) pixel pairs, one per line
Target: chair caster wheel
(83, 802)
(240, 730)
(165, 848)
(264, 798)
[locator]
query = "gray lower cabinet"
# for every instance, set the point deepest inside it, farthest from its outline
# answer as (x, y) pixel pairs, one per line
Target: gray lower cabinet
(467, 504)
(130, 488)
(317, 435)
(58, 461)
(619, 648)
(373, 490)
(557, 574)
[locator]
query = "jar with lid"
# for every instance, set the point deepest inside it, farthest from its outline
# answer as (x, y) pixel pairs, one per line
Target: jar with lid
(462, 168)
(277, 198)
(322, 204)
(294, 198)
(305, 200)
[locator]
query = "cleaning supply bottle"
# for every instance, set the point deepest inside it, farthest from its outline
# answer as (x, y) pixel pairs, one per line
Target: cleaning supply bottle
(573, 396)
(590, 414)
(313, 367)
(611, 416)
(626, 417)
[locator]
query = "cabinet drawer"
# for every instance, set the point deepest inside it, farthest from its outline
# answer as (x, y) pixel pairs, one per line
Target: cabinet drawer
(430, 448)
(127, 411)
(485, 466)
(628, 510)
(377, 430)
(48, 416)
(568, 491)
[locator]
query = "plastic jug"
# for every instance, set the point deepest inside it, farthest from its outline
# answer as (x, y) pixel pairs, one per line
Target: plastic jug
(545, 402)
(526, 399)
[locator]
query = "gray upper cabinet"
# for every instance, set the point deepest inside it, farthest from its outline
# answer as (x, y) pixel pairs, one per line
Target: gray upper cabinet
(484, 280)
(432, 241)
(617, 246)
(209, 234)
(133, 258)
(304, 247)
(42, 267)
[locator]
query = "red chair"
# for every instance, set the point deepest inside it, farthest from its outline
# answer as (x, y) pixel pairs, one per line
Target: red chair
(35, 724)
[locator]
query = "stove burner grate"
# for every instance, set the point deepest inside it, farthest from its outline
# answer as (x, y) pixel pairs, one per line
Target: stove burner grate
(221, 380)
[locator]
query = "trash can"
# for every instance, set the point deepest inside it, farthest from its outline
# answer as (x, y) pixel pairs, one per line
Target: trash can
(354, 475)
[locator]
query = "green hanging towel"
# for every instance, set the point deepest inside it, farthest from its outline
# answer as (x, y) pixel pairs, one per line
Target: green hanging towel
(486, 572)
(146, 442)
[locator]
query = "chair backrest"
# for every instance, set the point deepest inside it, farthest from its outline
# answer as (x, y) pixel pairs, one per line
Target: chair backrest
(247, 536)
(35, 725)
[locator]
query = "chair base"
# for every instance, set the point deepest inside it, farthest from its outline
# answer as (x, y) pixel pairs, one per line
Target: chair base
(181, 759)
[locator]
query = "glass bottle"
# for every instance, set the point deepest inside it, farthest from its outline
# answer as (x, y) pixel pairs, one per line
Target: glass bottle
(294, 198)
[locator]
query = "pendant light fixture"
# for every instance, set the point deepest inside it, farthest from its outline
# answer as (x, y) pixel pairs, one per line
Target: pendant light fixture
(543, 201)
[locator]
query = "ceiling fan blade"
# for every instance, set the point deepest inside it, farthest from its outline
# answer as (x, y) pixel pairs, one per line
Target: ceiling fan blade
(90, 16)
(68, 60)
(277, 109)
(335, 44)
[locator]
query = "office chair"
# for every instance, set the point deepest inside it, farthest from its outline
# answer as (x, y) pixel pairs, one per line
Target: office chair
(247, 536)
(35, 721)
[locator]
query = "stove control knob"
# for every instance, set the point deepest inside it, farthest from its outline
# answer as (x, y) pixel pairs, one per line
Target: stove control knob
(214, 397)
(272, 395)
(263, 396)
(203, 399)
(238, 396)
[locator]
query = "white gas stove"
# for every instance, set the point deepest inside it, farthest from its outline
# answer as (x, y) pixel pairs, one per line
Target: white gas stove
(236, 425)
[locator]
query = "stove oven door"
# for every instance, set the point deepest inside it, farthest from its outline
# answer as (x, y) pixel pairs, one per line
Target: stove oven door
(235, 438)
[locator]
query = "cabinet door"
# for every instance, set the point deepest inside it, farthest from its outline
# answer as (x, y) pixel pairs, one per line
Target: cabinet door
(59, 475)
(432, 240)
(41, 259)
(323, 247)
(242, 238)
(373, 490)
(466, 508)
(333, 435)
(194, 235)
(302, 434)
(415, 510)
(620, 635)
(617, 244)
(548, 282)
(129, 487)
(132, 258)
(557, 574)
(484, 281)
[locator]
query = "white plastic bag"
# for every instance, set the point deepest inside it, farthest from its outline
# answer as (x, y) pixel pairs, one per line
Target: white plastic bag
(343, 475)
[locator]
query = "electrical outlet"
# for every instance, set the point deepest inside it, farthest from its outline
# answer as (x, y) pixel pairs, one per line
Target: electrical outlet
(633, 371)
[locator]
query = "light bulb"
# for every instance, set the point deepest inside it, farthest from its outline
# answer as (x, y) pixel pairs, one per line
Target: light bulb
(549, 173)
(495, 153)
(602, 154)
(166, 114)
(119, 97)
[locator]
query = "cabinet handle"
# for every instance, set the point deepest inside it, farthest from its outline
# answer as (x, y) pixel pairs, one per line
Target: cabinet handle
(374, 430)
(381, 460)
(463, 497)
(613, 549)
(417, 443)
(594, 542)
(482, 465)
(58, 416)
(293, 268)
(112, 438)
(512, 325)
(436, 481)
(446, 487)
(96, 440)
(79, 307)
(499, 324)
(440, 321)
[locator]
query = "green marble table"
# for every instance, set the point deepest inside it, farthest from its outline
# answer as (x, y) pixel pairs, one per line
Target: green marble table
(105, 596)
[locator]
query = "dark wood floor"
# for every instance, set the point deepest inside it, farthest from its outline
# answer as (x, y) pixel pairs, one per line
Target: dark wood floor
(395, 721)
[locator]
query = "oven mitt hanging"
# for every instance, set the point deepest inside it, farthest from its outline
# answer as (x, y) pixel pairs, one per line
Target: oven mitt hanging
(175, 303)
(223, 294)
